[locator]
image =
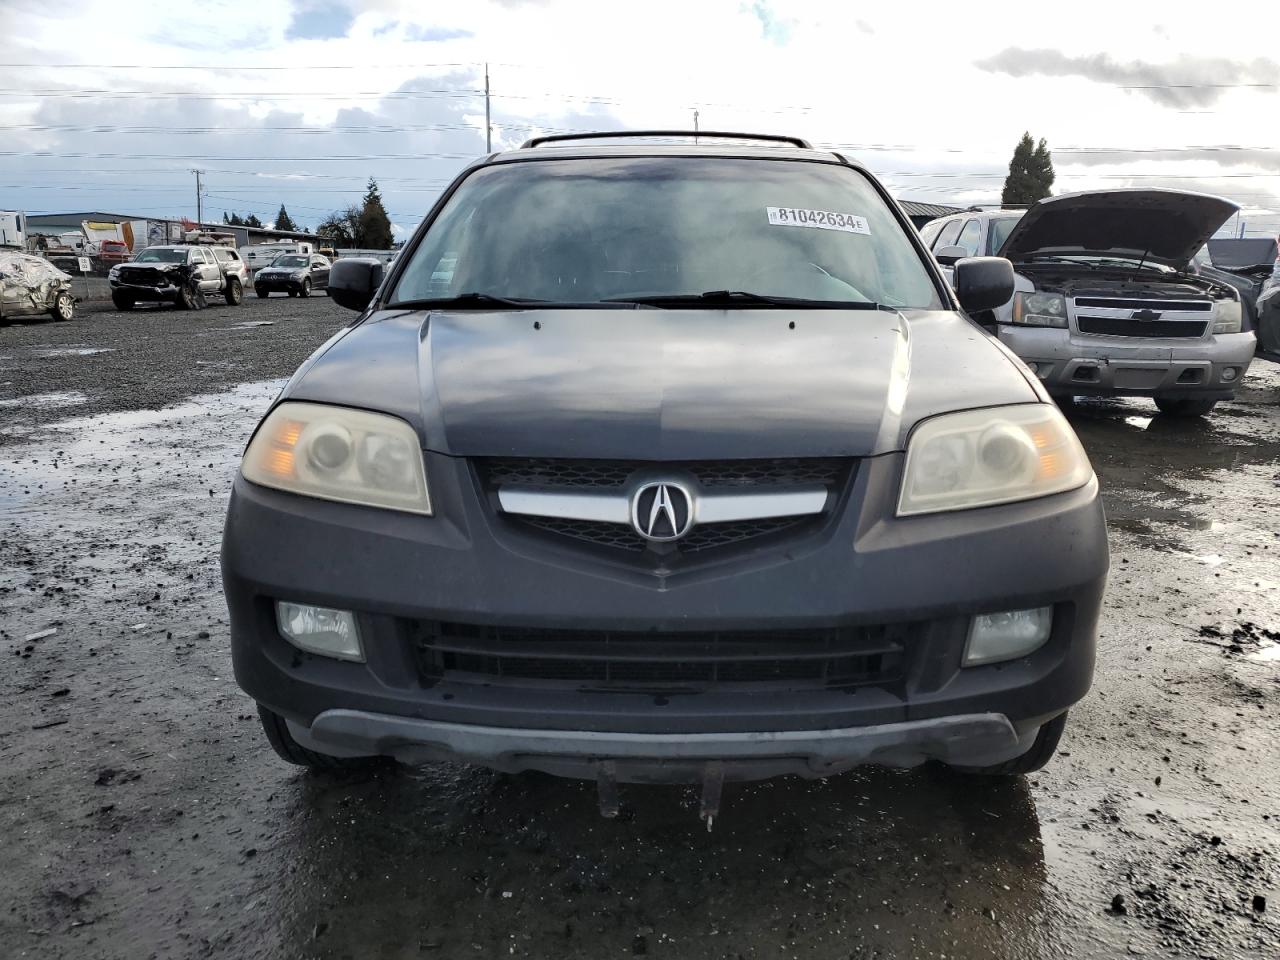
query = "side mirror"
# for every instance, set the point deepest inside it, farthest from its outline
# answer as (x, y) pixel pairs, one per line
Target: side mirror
(354, 280)
(949, 255)
(983, 283)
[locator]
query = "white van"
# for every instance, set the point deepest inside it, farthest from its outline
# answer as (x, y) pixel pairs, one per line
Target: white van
(13, 231)
(258, 255)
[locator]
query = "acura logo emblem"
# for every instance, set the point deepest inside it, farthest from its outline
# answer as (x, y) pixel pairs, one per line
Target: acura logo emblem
(662, 511)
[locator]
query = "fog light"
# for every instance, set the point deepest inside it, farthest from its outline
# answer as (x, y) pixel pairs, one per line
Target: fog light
(330, 633)
(1230, 373)
(1006, 636)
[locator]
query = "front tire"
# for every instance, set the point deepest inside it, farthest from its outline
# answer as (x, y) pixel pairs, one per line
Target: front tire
(261, 292)
(122, 302)
(185, 300)
(234, 294)
(305, 290)
(64, 307)
(1041, 752)
(1184, 406)
(290, 750)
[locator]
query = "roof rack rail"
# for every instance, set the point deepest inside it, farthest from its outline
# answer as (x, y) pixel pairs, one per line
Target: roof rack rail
(619, 134)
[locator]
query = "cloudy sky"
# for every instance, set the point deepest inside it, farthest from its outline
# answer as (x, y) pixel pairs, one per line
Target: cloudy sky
(108, 106)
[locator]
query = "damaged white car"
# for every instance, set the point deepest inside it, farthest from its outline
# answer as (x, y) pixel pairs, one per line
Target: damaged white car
(33, 287)
(1106, 301)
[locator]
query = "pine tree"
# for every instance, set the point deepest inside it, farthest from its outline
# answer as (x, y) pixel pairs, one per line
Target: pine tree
(284, 221)
(252, 220)
(374, 226)
(1030, 176)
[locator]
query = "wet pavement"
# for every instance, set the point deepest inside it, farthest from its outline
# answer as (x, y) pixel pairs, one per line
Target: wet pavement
(144, 815)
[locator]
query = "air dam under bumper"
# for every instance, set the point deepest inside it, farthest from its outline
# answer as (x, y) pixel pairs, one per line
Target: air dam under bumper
(1071, 364)
(969, 740)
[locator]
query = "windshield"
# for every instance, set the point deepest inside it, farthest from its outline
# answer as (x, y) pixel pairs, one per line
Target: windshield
(1001, 227)
(292, 260)
(161, 255)
(592, 230)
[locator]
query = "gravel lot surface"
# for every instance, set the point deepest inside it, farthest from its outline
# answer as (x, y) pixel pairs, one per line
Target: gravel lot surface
(144, 815)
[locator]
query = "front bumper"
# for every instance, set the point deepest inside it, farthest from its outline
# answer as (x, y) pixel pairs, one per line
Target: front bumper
(468, 565)
(277, 284)
(138, 291)
(1070, 364)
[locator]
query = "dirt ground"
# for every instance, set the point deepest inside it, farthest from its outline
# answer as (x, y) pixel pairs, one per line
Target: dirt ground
(144, 816)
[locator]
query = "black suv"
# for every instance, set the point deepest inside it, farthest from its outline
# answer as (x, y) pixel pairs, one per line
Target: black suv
(674, 462)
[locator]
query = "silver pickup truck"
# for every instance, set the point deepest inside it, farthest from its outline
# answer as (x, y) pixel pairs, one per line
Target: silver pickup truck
(183, 275)
(1106, 301)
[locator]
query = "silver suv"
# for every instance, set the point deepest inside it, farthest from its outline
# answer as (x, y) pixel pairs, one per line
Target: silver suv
(1106, 302)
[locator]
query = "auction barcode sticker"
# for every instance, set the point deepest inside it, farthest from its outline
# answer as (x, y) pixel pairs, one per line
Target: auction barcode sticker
(817, 219)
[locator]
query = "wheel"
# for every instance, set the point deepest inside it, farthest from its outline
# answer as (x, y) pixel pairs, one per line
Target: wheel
(64, 307)
(1184, 406)
(121, 301)
(186, 299)
(306, 288)
(1041, 752)
(234, 293)
(289, 749)
(261, 292)
(293, 293)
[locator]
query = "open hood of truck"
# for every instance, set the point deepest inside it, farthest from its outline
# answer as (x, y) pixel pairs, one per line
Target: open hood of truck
(1159, 226)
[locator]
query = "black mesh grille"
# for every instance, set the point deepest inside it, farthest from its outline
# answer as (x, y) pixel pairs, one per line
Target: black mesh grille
(1112, 327)
(623, 537)
(652, 661)
(786, 472)
(143, 276)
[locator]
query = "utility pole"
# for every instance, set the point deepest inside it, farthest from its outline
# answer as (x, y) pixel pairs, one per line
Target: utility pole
(695, 124)
(199, 200)
(488, 127)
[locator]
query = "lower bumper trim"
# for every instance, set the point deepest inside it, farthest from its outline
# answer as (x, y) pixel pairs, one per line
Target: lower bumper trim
(968, 740)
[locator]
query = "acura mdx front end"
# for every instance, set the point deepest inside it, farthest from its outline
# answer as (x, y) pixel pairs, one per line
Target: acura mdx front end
(665, 463)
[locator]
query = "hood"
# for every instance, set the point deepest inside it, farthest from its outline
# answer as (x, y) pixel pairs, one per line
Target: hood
(1245, 254)
(1161, 226)
(663, 384)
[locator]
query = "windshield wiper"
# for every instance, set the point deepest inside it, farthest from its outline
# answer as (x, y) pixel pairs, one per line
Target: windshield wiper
(741, 298)
(471, 299)
(484, 301)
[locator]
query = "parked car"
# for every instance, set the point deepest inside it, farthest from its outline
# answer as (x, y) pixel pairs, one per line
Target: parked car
(33, 287)
(1108, 302)
(259, 255)
(671, 484)
(182, 275)
(296, 274)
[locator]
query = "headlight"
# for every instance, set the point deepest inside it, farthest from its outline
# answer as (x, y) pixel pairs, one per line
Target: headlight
(983, 457)
(339, 454)
(1226, 316)
(1040, 309)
